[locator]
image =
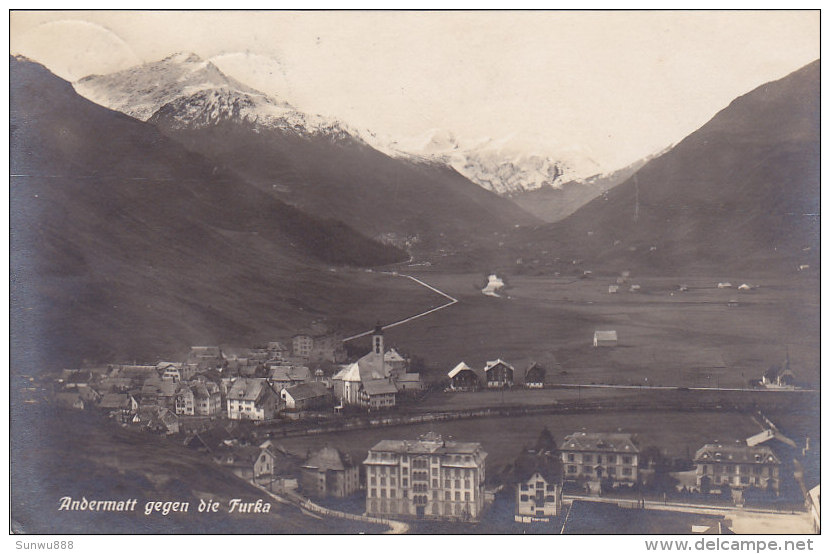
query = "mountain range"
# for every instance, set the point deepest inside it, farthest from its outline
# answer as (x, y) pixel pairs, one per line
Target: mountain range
(739, 194)
(317, 164)
(124, 243)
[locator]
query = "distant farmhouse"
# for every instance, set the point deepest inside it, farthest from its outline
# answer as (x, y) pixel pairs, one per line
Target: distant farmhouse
(499, 374)
(463, 378)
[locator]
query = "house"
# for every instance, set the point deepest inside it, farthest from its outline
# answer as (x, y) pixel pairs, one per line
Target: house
(247, 462)
(211, 440)
(282, 376)
(463, 378)
(535, 376)
(597, 459)
(206, 357)
(498, 374)
(538, 474)
(301, 345)
(612, 289)
(277, 351)
(605, 338)
(425, 478)
(185, 400)
(408, 382)
(71, 400)
(305, 396)
(779, 376)
(157, 419)
(329, 472)
(207, 399)
(737, 466)
(395, 362)
(252, 398)
(378, 394)
(120, 406)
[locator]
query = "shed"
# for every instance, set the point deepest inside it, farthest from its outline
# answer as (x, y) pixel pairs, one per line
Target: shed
(605, 338)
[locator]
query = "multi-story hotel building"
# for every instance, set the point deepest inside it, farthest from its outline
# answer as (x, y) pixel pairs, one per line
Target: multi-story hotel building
(600, 458)
(737, 466)
(426, 478)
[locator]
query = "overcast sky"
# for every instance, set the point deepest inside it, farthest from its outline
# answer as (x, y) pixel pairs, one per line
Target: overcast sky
(615, 86)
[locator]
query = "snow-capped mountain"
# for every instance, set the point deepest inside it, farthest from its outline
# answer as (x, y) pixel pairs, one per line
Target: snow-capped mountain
(502, 166)
(191, 92)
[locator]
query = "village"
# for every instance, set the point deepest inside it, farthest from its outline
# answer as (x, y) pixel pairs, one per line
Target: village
(234, 407)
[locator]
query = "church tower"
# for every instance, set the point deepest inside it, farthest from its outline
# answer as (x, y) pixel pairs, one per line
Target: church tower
(378, 349)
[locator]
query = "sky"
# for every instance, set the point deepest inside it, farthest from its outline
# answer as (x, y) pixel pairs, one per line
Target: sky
(610, 86)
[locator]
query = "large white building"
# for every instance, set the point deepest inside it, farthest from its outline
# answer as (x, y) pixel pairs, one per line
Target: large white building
(425, 478)
(252, 399)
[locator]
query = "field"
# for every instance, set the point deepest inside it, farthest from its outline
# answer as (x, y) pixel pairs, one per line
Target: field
(677, 434)
(666, 337)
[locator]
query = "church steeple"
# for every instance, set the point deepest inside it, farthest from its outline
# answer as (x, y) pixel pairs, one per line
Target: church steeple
(377, 340)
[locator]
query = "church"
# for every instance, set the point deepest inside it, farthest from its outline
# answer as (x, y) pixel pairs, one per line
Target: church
(372, 381)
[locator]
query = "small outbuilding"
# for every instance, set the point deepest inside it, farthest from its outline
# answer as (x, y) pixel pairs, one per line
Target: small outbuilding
(605, 338)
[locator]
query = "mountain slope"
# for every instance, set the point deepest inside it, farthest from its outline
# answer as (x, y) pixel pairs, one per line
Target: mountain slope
(124, 244)
(314, 163)
(741, 192)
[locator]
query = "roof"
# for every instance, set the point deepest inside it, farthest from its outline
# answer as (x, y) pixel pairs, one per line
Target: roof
(247, 389)
(490, 365)
(607, 442)
(536, 368)
(605, 335)
(367, 368)
(737, 453)
(530, 462)
(379, 386)
(458, 369)
(115, 400)
(290, 373)
(393, 356)
(430, 443)
(328, 458)
(304, 391)
(409, 377)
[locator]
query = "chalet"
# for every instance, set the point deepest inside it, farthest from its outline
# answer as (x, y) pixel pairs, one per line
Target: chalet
(535, 376)
(305, 396)
(252, 399)
(605, 338)
(737, 466)
(329, 472)
(538, 474)
(498, 374)
(247, 462)
(463, 378)
(595, 459)
(120, 406)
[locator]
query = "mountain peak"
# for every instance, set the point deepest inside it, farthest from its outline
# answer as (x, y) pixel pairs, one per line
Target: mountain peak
(182, 58)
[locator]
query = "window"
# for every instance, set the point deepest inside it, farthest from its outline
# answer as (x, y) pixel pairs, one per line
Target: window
(405, 482)
(571, 469)
(392, 482)
(570, 457)
(447, 495)
(457, 495)
(392, 493)
(467, 496)
(524, 486)
(373, 480)
(435, 495)
(612, 471)
(744, 480)
(383, 481)
(626, 459)
(435, 472)
(523, 498)
(540, 484)
(611, 458)
(374, 494)
(466, 483)
(458, 483)
(550, 498)
(446, 483)
(599, 459)
(383, 493)
(730, 469)
(435, 483)
(586, 469)
(587, 458)
(626, 471)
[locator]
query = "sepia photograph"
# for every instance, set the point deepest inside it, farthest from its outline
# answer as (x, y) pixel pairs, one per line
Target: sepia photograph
(373, 272)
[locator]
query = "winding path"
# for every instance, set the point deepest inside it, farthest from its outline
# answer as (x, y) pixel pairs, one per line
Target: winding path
(414, 317)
